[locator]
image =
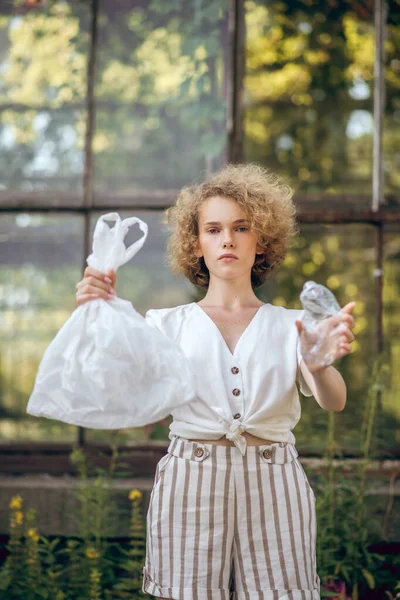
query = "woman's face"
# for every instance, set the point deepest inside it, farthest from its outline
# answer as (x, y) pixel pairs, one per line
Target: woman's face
(224, 228)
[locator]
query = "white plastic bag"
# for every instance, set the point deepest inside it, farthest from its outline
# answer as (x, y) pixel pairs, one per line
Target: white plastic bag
(107, 368)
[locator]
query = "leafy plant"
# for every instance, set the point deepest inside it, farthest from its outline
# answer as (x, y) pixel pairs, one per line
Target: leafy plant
(90, 566)
(346, 530)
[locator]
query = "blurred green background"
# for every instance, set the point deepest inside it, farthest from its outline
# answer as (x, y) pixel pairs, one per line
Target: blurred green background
(162, 87)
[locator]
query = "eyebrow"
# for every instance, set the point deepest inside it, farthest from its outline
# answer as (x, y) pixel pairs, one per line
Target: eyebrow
(234, 222)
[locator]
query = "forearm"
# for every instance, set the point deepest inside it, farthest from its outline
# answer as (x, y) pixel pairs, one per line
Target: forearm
(328, 387)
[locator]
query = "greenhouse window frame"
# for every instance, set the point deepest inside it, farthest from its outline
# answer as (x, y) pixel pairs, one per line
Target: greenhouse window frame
(378, 215)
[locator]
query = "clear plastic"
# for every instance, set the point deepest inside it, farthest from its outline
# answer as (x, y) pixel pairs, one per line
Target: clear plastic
(107, 368)
(318, 345)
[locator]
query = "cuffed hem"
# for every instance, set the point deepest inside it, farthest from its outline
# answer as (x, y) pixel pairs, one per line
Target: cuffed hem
(151, 587)
(278, 595)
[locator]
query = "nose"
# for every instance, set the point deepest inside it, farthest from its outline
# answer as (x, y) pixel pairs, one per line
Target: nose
(228, 241)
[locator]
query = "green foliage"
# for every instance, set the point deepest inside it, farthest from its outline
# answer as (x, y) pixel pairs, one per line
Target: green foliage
(88, 567)
(309, 90)
(346, 531)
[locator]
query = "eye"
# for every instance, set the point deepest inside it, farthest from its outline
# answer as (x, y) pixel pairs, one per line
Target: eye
(215, 229)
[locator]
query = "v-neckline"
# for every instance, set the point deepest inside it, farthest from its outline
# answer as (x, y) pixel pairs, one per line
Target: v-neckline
(233, 354)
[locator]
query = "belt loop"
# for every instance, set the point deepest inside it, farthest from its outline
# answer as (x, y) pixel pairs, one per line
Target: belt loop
(173, 444)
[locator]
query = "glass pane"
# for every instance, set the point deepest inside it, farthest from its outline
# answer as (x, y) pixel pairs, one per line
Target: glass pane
(341, 257)
(391, 333)
(161, 98)
(308, 96)
(42, 93)
(391, 127)
(148, 283)
(40, 262)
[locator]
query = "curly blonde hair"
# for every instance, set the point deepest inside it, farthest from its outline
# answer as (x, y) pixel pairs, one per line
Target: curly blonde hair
(267, 202)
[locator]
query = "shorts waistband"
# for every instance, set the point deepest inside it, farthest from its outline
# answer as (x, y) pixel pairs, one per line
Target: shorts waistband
(276, 453)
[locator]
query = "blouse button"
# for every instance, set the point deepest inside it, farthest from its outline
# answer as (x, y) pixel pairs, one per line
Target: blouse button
(237, 416)
(199, 452)
(267, 453)
(236, 392)
(235, 370)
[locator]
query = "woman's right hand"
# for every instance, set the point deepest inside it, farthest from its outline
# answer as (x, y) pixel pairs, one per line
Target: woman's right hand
(96, 285)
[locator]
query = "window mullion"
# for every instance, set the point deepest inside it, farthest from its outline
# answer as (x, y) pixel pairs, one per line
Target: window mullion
(379, 103)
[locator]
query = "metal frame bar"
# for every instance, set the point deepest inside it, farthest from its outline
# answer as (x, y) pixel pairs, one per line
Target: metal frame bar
(90, 109)
(378, 180)
(379, 103)
(304, 215)
(378, 273)
(237, 66)
(89, 159)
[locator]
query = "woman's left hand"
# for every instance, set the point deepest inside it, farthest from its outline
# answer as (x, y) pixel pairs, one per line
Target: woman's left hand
(333, 336)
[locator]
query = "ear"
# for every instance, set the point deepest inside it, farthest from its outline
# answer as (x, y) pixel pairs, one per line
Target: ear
(259, 249)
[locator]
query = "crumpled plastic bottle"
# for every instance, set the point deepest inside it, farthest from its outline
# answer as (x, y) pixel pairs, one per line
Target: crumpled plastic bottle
(318, 303)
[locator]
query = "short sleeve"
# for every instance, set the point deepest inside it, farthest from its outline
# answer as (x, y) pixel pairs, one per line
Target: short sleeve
(304, 388)
(153, 318)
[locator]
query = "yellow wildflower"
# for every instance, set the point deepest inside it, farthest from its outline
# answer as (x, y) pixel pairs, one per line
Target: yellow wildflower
(16, 503)
(92, 553)
(135, 495)
(19, 517)
(95, 576)
(33, 534)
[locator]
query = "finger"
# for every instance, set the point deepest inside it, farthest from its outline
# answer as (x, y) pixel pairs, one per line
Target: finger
(342, 322)
(334, 320)
(96, 291)
(342, 352)
(349, 320)
(346, 339)
(348, 308)
(344, 331)
(90, 271)
(344, 342)
(299, 326)
(94, 277)
(111, 277)
(349, 336)
(345, 349)
(96, 284)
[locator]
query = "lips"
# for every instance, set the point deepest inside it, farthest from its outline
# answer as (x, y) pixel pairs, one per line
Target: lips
(227, 256)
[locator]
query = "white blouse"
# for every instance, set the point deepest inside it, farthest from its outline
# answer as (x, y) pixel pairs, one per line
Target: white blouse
(253, 389)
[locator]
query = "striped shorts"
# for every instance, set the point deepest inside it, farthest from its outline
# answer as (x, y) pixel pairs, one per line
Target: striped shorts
(223, 526)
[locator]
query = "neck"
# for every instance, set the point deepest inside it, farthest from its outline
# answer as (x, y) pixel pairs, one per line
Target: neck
(230, 294)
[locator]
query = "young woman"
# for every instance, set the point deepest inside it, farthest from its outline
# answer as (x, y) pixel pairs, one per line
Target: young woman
(231, 512)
